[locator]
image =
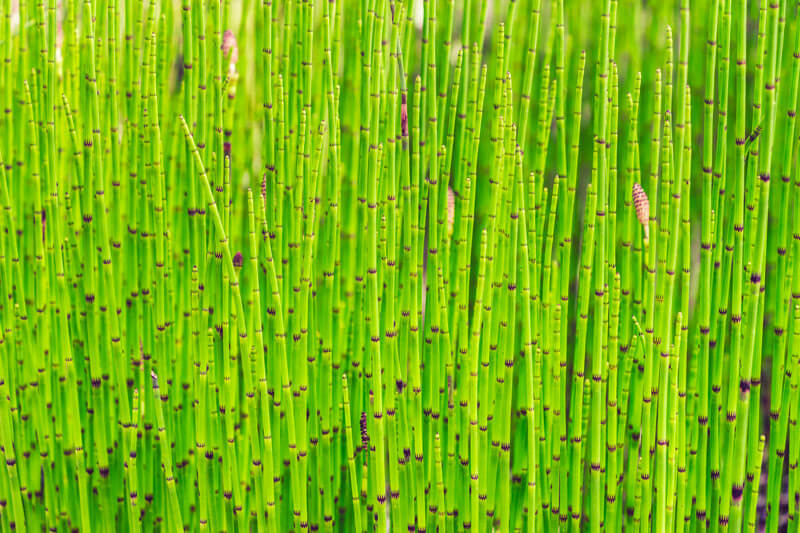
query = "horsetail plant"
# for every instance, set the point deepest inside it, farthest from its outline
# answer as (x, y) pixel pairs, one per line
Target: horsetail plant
(390, 265)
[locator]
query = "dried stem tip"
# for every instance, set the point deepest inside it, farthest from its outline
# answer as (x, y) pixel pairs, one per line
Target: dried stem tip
(364, 432)
(451, 210)
(642, 205)
(229, 46)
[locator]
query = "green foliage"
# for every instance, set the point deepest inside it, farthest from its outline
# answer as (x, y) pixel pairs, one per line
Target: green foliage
(399, 265)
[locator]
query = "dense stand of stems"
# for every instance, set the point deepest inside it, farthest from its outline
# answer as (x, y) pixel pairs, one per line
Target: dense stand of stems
(386, 265)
